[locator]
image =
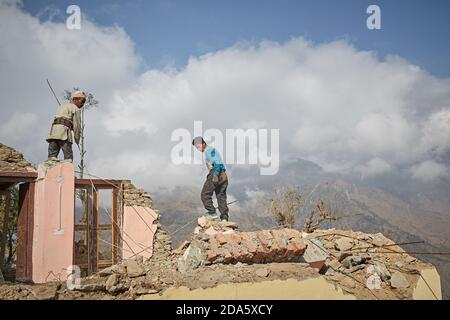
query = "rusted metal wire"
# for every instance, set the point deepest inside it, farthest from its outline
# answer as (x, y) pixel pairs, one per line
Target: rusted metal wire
(394, 252)
(355, 250)
(414, 272)
(414, 252)
(429, 287)
(143, 247)
(126, 234)
(358, 239)
(353, 278)
(389, 245)
(112, 219)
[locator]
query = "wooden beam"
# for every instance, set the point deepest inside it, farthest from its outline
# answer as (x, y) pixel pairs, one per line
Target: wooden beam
(11, 178)
(115, 230)
(24, 263)
(98, 183)
(14, 180)
(18, 174)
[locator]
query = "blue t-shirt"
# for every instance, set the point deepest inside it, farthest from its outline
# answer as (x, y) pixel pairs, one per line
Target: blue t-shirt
(213, 156)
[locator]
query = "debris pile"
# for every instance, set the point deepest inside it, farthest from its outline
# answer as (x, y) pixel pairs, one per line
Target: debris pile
(50, 163)
(355, 262)
(370, 265)
(12, 160)
(216, 241)
(162, 248)
(133, 196)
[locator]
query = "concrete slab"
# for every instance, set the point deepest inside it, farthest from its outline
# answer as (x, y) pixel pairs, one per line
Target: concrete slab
(315, 253)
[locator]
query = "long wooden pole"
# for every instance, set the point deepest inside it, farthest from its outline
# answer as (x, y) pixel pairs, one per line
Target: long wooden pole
(54, 94)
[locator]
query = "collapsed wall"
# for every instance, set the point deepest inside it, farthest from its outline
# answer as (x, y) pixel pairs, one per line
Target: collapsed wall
(133, 196)
(47, 237)
(369, 266)
(142, 232)
(356, 267)
(218, 241)
(13, 161)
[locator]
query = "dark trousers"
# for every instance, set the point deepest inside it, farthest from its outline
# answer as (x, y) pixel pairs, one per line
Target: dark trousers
(220, 188)
(55, 145)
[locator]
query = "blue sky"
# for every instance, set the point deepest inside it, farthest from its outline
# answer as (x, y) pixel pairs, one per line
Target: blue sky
(168, 32)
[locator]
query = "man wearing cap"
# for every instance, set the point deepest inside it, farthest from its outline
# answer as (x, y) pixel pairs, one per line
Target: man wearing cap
(67, 119)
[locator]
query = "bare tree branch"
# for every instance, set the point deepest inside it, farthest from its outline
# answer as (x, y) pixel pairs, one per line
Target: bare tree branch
(284, 205)
(320, 214)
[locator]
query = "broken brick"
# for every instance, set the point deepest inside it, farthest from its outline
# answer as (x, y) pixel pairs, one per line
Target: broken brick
(221, 238)
(211, 255)
(247, 240)
(262, 246)
(292, 233)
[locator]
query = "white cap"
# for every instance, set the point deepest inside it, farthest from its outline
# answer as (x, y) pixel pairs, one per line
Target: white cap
(78, 94)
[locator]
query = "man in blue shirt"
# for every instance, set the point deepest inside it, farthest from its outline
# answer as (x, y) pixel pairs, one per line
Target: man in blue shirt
(216, 181)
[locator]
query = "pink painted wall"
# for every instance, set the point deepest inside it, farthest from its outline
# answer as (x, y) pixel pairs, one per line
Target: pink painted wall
(53, 223)
(138, 231)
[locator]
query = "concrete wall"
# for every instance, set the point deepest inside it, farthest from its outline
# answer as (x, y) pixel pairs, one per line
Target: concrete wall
(138, 231)
(428, 286)
(317, 288)
(53, 222)
(310, 289)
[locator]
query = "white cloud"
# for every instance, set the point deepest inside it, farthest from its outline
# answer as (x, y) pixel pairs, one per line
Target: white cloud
(374, 167)
(435, 137)
(384, 134)
(335, 105)
(95, 58)
(255, 202)
(17, 126)
(356, 113)
(429, 170)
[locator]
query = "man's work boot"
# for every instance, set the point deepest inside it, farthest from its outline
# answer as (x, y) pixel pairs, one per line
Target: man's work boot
(212, 214)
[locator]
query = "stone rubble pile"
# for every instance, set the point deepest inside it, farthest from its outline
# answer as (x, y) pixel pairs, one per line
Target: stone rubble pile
(359, 263)
(12, 160)
(355, 261)
(162, 246)
(134, 277)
